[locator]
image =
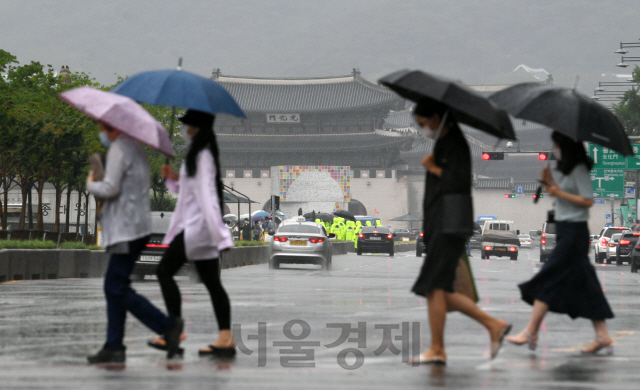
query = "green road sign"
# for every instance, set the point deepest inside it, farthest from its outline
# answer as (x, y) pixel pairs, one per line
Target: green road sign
(607, 183)
(607, 176)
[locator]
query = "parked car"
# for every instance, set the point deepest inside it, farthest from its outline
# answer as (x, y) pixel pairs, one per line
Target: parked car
(602, 242)
(420, 245)
(547, 240)
(374, 239)
(525, 241)
(612, 247)
(300, 243)
(625, 246)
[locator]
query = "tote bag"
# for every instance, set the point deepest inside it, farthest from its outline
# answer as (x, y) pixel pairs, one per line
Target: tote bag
(464, 283)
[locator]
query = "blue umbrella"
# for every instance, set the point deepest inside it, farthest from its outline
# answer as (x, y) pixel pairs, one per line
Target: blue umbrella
(178, 88)
(261, 213)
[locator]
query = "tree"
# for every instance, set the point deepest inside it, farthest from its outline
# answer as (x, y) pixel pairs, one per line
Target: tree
(628, 110)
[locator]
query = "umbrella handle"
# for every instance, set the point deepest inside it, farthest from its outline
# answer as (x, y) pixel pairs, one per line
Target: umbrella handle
(439, 131)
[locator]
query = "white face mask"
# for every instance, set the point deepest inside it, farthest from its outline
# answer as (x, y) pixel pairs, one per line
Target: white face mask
(184, 132)
(557, 152)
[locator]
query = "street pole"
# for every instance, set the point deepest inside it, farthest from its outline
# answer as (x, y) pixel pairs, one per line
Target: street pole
(637, 188)
(613, 217)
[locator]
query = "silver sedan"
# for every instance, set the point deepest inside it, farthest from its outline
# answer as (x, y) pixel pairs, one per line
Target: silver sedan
(300, 243)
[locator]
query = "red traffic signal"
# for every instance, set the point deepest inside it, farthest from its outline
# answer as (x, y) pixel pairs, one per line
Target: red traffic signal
(537, 197)
(509, 196)
(493, 155)
(544, 156)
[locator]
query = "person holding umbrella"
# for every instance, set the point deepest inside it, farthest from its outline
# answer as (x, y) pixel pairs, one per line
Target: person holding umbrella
(126, 213)
(448, 173)
(567, 282)
(447, 204)
(197, 231)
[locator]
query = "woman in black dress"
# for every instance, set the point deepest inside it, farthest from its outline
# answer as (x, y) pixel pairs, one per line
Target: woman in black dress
(567, 283)
(448, 173)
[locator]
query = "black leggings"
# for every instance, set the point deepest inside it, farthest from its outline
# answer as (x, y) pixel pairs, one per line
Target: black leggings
(208, 270)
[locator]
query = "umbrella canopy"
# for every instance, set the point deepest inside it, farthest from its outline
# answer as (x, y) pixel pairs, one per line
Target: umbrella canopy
(565, 111)
(230, 217)
(344, 214)
(466, 106)
(122, 113)
(279, 213)
(178, 88)
(406, 218)
(260, 213)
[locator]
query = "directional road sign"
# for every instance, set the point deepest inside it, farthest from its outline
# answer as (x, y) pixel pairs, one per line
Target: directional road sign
(520, 190)
(607, 176)
(607, 183)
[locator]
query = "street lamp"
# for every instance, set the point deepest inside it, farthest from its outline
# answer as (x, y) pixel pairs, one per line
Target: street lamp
(621, 50)
(628, 59)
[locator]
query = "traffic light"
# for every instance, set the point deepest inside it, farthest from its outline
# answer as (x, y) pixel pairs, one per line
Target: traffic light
(509, 196)
(493, 155)
(544, 156)
(538, 197)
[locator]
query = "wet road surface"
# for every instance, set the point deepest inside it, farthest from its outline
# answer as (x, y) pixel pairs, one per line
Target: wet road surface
(48, 327)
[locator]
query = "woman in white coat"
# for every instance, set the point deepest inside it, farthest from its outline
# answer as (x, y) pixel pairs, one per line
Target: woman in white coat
(197, 231)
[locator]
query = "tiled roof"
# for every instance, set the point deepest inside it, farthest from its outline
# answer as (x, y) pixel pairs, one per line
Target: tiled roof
(399, 120)
(316, 142)
(304, 95)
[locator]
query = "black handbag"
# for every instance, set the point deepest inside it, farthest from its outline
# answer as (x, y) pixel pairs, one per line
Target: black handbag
(458, 215)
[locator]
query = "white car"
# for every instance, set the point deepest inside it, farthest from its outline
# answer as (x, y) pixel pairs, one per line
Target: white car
(612, 247)
(300, 243)
(602, 243)
(525, 241)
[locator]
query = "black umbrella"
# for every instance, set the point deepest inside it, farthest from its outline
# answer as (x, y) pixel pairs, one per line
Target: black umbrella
(466, 105)
(324, 217)
(344, 214)
(565, 111)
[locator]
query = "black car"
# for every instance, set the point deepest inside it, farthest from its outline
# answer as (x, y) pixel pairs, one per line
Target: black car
(635, 252)
(375, 239)
(625, 246)
(420, 245)
(150, 256)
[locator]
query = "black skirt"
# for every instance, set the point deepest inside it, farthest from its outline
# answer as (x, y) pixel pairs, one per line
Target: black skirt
(567, 282)
(439, 267)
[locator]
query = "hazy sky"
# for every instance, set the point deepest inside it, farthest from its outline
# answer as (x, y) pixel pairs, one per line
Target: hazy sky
(476, 41)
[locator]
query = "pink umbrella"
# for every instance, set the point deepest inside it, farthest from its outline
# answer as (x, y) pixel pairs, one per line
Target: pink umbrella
(122, 113)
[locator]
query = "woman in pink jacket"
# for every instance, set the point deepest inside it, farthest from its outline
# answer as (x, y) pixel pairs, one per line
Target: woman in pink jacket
(197, 232)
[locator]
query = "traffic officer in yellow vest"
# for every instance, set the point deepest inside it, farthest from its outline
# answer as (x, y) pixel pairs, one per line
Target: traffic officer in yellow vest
(357, 232)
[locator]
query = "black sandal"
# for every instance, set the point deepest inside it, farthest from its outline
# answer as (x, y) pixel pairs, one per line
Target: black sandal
(162, 347)
(219, 352)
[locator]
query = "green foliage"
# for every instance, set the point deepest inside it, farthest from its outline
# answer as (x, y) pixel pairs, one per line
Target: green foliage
(166, 202)
(73, 245)
(79, 245)
(249, 243)
(43, 139)
(628, 110)
(27, 244)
